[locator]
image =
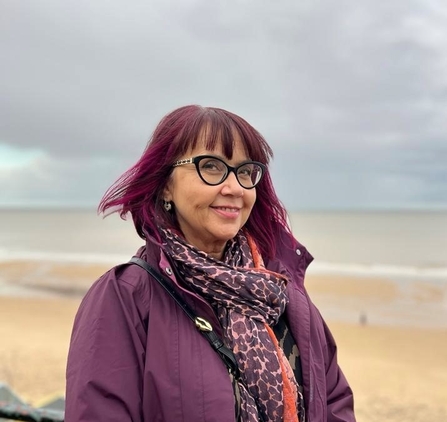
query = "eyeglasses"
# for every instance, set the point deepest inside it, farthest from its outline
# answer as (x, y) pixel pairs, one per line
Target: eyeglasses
(213, 171)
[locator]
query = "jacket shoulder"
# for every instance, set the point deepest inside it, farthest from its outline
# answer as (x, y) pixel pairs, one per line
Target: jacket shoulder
(129, 282)
(126, 274)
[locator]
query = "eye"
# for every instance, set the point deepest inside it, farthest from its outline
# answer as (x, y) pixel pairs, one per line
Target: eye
(212, 165)
(245, 171)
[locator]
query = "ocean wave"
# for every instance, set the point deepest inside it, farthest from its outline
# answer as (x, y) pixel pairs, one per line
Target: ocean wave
(64, 257)
(317, 267)
(379, 270)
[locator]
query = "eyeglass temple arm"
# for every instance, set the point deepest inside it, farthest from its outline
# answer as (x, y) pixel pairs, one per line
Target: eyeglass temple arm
(181, 162)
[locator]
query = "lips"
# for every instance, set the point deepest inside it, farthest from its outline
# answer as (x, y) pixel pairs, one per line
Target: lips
(227, 209)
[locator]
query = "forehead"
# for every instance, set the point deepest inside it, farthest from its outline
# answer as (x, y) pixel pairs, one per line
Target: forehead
(208, 143)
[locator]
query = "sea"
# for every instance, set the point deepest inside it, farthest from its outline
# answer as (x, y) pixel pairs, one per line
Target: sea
(406, 247)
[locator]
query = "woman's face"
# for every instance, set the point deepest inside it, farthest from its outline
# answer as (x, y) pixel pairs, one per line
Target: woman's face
(209, 216)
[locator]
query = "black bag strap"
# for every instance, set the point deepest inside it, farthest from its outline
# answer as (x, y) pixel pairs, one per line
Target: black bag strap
(204, 327)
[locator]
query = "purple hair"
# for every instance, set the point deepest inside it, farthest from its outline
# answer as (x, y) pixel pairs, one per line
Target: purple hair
(139, 191)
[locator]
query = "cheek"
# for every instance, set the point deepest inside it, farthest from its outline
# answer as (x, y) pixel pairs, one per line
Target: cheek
(192, 196)
(251, 199)
(249, 203)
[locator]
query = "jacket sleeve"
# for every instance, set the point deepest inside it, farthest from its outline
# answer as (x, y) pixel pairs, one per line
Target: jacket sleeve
(107, 351)
(340, 400)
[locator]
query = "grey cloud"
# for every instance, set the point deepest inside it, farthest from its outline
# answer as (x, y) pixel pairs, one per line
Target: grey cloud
(342, 90)
(76, 182)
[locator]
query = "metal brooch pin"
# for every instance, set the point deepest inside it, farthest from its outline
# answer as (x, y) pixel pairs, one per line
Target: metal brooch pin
(202, 324)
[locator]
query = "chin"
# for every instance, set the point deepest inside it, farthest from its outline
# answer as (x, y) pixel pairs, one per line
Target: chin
(228, 236)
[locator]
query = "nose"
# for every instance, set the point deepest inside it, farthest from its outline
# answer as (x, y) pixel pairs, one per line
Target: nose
(231, 186)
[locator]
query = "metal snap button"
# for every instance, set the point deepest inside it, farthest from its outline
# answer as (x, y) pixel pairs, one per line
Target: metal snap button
(298, 252)
(168, 271)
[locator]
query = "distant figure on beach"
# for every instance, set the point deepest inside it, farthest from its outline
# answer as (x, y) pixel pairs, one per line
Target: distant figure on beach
(210, 321)
(363, 318)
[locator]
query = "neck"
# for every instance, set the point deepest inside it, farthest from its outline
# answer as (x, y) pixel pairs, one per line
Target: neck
(215, 249)
(216, 255)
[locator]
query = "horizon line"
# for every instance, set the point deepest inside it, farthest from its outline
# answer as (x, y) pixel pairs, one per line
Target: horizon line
(74, 208)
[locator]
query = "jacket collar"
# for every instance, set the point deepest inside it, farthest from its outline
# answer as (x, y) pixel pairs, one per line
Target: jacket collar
(292, 258)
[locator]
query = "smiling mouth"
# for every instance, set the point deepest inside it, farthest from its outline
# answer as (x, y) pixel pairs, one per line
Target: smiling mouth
(227, 209)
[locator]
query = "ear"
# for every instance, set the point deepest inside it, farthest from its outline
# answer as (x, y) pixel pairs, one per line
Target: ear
(167, 195)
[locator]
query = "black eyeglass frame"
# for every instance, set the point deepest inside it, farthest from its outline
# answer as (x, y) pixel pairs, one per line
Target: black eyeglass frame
(196, 160)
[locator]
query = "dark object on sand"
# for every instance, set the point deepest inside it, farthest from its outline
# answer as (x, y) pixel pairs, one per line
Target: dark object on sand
(21, 412)
(12, 407)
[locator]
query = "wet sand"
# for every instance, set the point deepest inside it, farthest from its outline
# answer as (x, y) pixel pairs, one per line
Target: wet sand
(398, 373)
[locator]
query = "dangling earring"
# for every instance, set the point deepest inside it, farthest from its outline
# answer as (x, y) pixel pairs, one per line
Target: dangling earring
(167, 205)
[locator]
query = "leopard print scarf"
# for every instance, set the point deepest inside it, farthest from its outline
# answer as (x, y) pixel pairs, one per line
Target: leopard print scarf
(248, 300)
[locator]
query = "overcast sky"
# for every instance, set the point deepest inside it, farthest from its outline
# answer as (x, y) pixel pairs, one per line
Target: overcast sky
(351, 95)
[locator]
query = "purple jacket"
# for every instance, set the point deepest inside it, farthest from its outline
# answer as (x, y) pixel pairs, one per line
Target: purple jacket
(135, 356)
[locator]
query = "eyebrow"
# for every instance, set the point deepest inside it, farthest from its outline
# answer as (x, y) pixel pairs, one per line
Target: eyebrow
(225, 159)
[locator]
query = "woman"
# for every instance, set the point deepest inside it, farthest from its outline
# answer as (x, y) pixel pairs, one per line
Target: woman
(202, 198)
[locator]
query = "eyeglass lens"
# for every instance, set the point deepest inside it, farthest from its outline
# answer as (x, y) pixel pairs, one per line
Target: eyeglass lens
(215, 171)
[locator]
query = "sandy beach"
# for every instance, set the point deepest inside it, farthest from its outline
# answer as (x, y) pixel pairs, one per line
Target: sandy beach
(398, 373)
